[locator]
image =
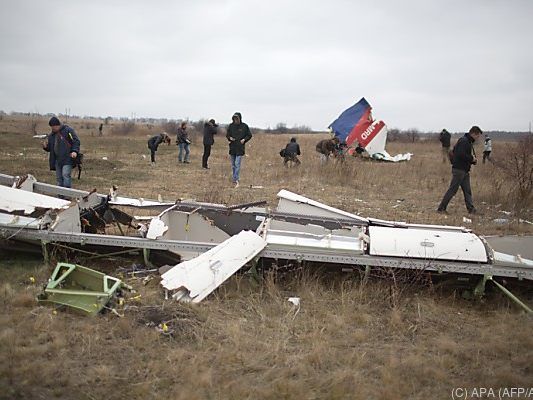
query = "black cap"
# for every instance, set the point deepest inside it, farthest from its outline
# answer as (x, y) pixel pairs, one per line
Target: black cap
(212, 121)
(54, 121)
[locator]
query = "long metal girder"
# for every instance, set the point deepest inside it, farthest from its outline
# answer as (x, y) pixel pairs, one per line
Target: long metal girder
(278, 252)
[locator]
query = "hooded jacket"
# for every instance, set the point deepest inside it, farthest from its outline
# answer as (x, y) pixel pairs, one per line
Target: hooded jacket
(463, 153)
(236, 133)
(60, 145)
(209, 131)
(445, 138)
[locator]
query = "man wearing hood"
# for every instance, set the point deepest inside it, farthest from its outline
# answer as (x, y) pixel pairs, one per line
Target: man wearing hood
(210, 129)
(238, 134)
(64, 147)
(463, 158)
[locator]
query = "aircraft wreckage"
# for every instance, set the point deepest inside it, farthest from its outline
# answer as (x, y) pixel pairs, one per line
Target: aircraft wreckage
(213, 241)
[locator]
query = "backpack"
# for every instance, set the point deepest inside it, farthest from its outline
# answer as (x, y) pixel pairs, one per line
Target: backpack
(282, 152)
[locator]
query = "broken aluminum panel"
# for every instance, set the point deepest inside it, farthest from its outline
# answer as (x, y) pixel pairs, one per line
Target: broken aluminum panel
(24, 182)
(51, 213)
(20, 221)
(22, 202)
(80, 288)
(195, 279)
(294, 203)
(427, 244)
(313, 236)
(183, 226)
(139, 203)
(507, 259)
(399, 224)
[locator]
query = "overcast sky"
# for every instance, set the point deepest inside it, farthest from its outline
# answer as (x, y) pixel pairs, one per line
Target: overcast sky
(424, 64)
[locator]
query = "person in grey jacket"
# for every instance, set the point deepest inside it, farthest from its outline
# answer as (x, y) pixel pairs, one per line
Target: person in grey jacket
(182, 140)
(210, 129)
(238, 134)
(64, 146)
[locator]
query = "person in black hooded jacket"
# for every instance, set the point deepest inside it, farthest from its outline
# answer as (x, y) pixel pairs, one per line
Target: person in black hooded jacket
(463, 158)
(238, 134)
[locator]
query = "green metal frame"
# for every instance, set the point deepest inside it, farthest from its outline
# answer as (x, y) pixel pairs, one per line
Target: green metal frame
(479, 290)
(81, 288)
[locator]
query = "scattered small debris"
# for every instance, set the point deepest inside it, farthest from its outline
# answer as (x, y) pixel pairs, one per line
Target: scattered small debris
(104, 158)
(500, 221)
(467, 220)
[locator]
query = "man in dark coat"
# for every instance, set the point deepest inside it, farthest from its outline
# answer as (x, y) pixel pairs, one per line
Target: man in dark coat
(445, 138)
(463, 158)
(291, 152)
(238, 134)
(210, 129)
(154, 142)
(64, 146)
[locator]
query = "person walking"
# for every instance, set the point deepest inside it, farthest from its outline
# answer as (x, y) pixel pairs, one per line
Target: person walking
(64, 146)
(210, 129)
(100, 129)
(463, 158)
(183, 142)
(154, 142)
(291, 153)
(445, 138)
(238, 135)
(487, 149)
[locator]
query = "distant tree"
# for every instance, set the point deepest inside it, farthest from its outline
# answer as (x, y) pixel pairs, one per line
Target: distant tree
(125, 128)
(281, 127)
(517, 166)
(393, 135)
(412, 135)
(107, 120)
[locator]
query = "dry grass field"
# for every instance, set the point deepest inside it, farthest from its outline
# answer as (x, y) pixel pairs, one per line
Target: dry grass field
(351, 339)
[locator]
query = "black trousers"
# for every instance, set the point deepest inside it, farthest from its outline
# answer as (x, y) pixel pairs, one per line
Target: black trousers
(152, 155)
(459, 178)
(207, 153)
(486, 156)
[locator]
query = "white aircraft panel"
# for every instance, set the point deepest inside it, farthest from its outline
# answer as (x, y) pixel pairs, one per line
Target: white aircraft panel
(425, 243)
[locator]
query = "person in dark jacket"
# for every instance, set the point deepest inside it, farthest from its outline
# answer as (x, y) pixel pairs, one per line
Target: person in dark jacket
(64, 146)
(154, 142)
(182, 140)
(463, 158)
(445, 138)
(237, 134)
(291, 153)
(210, 129)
